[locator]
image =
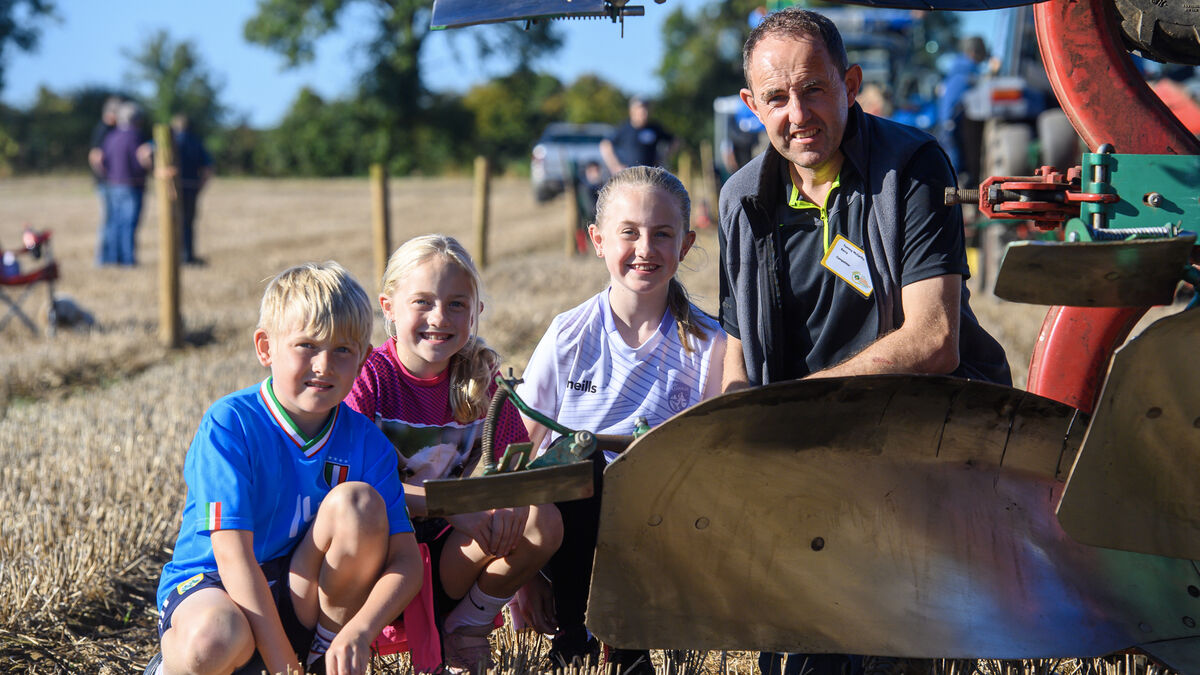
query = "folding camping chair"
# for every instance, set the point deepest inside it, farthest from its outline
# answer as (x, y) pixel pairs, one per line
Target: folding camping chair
(14, 282)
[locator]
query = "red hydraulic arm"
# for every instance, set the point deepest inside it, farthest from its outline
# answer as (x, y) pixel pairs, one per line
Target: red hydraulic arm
(1107, 101)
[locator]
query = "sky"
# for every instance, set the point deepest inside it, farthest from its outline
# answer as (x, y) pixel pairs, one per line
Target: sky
(88, 42)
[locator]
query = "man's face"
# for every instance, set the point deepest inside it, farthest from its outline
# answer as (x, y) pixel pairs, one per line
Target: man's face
(639, 114)
(801, 99)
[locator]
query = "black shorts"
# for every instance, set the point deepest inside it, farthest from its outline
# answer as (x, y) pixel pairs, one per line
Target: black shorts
(276, 572)
(433, 532)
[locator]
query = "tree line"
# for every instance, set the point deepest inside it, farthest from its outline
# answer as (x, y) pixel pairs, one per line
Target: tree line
(392, 116)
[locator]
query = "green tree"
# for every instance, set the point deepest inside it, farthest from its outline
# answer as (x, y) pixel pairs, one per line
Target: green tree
(19, 26)
(702, 59)
(510, 111)
(397, 108)
(591, 98)
(173, 79)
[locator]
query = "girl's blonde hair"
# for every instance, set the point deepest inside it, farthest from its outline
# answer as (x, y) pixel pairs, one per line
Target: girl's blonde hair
(474, 366)
(653, 177)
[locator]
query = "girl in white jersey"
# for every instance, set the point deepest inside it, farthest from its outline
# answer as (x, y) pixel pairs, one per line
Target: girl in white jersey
(639, 348)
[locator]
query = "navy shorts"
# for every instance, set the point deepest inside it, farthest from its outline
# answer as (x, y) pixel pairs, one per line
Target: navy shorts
(276, 572)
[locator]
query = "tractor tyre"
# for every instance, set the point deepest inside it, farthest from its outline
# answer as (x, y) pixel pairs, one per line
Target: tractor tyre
(1060, 145)
(1006, 149)
(1162, 30)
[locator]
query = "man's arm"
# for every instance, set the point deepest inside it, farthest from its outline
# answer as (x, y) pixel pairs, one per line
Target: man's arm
(247, 587)
(397, 586)
(610, 156)
(96, 160)
(927, 342)
(733, 373)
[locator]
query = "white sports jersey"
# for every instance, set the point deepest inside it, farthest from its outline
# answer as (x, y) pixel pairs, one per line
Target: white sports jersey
(584, 375)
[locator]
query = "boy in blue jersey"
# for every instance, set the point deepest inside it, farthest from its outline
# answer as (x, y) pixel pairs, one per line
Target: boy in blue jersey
(295, 542)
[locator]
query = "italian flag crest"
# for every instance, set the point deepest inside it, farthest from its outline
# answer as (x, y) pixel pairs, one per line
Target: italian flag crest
(335, 474)
(212, 516)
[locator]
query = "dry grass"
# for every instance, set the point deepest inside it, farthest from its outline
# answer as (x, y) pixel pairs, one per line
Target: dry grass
(96, 423)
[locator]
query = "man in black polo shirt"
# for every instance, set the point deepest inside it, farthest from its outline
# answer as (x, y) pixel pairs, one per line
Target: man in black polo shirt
(638, 141)
(838, 255)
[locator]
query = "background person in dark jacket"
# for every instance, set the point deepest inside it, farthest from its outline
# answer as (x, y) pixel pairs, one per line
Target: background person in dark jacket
(126, 157)
(838, 256)
(195, 168)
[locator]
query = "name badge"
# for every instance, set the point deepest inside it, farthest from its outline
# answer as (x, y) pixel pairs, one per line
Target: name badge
(849, 263)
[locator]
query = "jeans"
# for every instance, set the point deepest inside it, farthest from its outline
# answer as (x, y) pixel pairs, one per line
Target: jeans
(124, 211)
(106, 253)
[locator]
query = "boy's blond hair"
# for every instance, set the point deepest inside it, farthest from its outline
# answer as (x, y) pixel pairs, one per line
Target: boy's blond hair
(321, 299)
(474, 366)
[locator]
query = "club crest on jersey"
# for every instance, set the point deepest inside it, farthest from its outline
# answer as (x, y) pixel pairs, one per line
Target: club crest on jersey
(678, 398)
(335, 474)
(189, 584)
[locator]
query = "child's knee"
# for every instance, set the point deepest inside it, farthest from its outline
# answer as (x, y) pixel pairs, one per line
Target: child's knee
(212, 638)
(545, 528)
(358, 505)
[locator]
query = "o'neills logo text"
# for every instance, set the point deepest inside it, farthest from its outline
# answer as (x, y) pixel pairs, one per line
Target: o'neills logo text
(585, 386)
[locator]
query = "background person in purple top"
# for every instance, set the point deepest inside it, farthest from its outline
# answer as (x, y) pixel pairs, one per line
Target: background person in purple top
(106, 123)
(126, 157)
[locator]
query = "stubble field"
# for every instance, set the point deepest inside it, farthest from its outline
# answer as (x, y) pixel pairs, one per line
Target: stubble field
(94, 424)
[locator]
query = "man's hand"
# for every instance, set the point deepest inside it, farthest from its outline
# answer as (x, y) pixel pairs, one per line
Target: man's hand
(927, 342)
(535, 604)
(733, 371)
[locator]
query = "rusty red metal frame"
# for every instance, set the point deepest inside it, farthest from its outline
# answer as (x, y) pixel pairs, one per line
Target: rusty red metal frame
(1107, 101)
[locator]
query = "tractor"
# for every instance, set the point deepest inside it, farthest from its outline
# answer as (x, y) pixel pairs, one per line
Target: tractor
(932, 517)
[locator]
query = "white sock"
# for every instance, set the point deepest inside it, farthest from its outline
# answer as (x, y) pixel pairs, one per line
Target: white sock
(320, 644)
(476, 609)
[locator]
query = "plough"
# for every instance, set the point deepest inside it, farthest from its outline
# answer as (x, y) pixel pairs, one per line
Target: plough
(932, 517)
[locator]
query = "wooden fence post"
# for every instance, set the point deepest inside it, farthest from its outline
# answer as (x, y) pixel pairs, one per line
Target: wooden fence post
(165, 184)
(380, 219)
(685, 177)
(710, 191)
(483, 189)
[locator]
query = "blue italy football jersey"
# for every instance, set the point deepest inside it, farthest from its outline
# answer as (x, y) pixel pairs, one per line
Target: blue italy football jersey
(249, 468)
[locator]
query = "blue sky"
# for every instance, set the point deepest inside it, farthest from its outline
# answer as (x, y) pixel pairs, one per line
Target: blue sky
(86, 46)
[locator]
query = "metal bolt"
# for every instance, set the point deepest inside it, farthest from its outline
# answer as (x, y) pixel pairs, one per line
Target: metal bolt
(961, 196)
(1154, 413)
(818, 543)
(1073, 236)
(1144, 627)
(1189, 622)
(701, 523)
(1154, 199)
(654, 520)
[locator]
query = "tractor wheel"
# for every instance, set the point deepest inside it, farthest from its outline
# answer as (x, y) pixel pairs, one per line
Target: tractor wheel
(1162, 30)
(1006, 149)
(1060, 145)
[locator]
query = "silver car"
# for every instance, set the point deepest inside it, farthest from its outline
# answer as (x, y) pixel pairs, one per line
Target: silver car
(564, 147)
